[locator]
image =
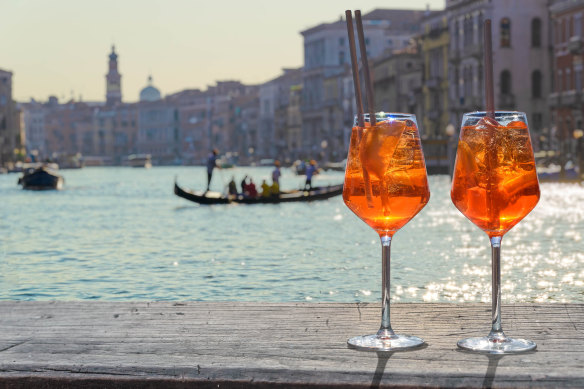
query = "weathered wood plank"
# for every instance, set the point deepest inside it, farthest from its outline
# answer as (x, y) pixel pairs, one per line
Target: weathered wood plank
(175, 345)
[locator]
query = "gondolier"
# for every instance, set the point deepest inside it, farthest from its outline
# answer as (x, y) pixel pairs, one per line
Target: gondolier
(211, 164)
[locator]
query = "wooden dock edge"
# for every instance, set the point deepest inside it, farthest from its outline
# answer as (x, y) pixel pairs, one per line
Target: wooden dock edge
(84, 344)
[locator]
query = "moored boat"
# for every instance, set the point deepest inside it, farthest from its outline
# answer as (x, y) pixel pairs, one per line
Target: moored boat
(139, 160)
(41, 178)
(316, 193)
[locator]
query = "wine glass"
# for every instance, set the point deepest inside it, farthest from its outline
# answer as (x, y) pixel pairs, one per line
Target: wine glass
(495, 186)
(386, 185)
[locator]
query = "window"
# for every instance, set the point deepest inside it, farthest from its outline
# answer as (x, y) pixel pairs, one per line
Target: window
(341, 41)
(578, 24)
(536, 84)
(568, 83)
(536, 32)
(560, 81)
(537, 122)
(578, 78)
(505, 82)
(505, 32)
(467, 26)
(341, 57)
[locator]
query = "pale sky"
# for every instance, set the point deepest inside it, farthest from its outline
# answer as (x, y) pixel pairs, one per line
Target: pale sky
(60, 47)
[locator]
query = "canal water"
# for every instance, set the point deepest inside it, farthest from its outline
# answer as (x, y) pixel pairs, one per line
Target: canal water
(121, 234)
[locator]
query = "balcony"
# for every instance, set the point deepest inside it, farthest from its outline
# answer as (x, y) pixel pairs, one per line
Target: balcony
(571, 99)
(473, 51)
(575, 44)
(554, 100)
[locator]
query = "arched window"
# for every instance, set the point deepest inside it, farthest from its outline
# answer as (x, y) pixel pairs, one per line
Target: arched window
(505, 82)
(505, 32)
(536, 84)
(536, 32)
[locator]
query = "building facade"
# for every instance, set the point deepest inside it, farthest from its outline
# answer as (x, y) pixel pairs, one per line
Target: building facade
(326, 55)
(565, 102)
(521, 58)
(11, 133)
(434, 46)
(398, 80)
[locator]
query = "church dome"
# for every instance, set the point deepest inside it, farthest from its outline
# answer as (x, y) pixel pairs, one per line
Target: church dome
(150, 93)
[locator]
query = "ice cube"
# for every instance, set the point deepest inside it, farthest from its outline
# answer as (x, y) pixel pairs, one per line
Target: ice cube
(487, 123)
(517, 124)
(378, 145)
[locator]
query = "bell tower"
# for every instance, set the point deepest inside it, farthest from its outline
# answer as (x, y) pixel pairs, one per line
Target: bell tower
(113, 82)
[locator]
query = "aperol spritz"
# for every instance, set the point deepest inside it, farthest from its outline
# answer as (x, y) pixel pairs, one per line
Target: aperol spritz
(495, 186)
(386, 185)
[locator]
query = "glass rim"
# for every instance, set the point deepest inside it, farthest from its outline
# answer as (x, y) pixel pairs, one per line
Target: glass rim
(500, 113)
(383, 113)
(382, 116)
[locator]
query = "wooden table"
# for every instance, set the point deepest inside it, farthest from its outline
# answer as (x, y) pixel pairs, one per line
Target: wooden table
(185, 344)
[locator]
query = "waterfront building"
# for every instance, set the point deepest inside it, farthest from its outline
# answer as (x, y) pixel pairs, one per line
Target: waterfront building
(273, 99)
(158, 129)
(339, 108)
(397, 83)
(294, 124)
(194, 110)
(565, 102)
(113, 81)
(434, 46)
(245, 125)
(11, 130)
(326, 52)
(33, 119)
(521, 58)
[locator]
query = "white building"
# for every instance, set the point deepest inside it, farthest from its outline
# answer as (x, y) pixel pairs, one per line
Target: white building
(33, 115)
(326, 53)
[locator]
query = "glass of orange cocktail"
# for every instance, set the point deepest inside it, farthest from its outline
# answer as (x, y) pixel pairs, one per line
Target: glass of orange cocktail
(495, 186)
(386, 186)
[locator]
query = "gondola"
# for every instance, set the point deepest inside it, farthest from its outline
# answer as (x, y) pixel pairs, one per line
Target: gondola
(42, 178)
(316, 193)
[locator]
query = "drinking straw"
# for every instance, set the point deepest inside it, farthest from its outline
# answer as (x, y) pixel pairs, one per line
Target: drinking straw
(366, 72)
(359, 101)
(355, 67)
(491, 154)
(489, 88)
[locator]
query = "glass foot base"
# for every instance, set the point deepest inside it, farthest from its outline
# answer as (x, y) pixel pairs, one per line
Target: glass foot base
(497, 346)
(376, 343)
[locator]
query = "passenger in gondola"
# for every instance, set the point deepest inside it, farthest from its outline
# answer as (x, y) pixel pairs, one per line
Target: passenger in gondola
(266, 189)
(275, 189)
(251, 190)
(232, 188)
(244, 185)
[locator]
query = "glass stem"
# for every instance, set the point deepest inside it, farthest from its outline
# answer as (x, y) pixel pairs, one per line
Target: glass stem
(385, 330)
(496, 329)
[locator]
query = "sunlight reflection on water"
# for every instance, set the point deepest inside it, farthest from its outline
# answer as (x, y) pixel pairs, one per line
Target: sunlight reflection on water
(120, 234)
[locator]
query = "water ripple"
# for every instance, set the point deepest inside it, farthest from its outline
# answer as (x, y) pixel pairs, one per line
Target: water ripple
(120, 234)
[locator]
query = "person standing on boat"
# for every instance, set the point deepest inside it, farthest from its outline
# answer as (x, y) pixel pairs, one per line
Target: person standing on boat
(211, 164)
(310, 171)
(275, 188)
(276, 173)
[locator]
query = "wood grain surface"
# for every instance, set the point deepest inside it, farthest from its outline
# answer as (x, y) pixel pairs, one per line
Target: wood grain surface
(231, 345)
